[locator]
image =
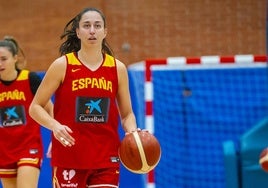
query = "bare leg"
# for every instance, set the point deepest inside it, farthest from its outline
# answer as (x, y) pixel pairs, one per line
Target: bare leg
(27, 177)
(9, 182)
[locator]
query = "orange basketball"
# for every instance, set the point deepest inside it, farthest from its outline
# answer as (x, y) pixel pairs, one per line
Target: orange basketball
(140, 152)
(264, 159)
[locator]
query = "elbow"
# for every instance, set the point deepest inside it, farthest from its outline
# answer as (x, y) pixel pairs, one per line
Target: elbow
(31, 110)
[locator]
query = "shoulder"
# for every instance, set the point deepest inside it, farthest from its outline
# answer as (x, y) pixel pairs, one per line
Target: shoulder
(120, 65)
(24, 74)
(121, 70)
(58, 64)
(111, 61)
(60, 61)
(57, 69)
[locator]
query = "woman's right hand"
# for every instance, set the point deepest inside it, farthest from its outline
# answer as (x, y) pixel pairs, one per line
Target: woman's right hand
(63, 134)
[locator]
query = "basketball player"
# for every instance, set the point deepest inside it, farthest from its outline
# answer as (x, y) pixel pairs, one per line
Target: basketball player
(90, 87)
(21, 149)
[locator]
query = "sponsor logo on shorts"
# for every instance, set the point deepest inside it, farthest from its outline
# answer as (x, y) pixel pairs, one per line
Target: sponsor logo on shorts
(33, 151)
(115, 159)
(68, 175)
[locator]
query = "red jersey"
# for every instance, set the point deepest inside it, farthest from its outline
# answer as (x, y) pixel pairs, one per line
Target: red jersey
(86, 102)
(20, 135)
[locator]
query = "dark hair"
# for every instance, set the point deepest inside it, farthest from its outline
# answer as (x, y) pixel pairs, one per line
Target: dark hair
(72, 42)
(12, 45)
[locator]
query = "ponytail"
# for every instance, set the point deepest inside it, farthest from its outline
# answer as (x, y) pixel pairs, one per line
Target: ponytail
(12, 45)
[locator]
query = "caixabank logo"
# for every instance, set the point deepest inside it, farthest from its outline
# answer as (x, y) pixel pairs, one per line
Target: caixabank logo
(92, 110)
(12, 116)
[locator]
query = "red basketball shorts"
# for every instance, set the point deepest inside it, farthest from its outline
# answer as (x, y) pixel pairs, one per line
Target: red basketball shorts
(108, 177)
(10, 170)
